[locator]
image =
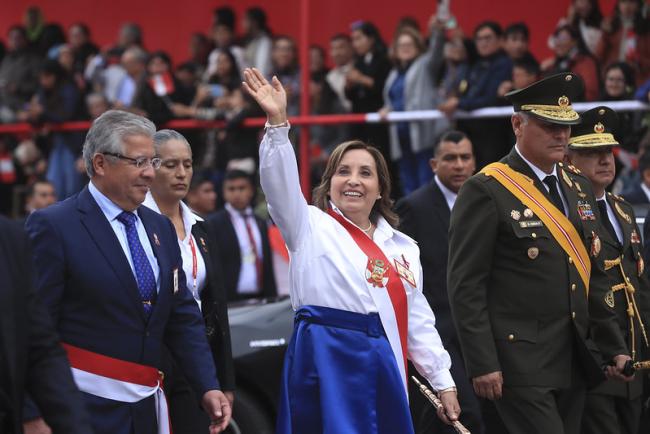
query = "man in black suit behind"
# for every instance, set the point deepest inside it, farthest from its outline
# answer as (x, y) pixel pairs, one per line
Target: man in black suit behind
(424, 216)
(246, 265)
(31, 358)
(639, 192)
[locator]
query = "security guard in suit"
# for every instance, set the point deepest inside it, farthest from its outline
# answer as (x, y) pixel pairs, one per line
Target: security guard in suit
(525, 296)
(614, 407)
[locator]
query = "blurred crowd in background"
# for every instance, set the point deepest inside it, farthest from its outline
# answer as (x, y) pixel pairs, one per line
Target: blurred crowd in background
(50, 74)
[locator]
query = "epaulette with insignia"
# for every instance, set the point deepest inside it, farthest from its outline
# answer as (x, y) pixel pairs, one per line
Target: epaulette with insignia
(573, 169)
(617, 197)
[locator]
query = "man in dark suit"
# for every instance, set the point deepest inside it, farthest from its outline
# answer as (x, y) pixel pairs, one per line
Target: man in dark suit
(639, 193)
(110, 271)
(524, 294)
(31, 358)
(243, 239)
(614, 406)
(424, 216)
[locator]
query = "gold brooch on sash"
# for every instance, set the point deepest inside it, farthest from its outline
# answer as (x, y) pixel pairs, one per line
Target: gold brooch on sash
(634, 237)
(528, 213)
(622, 213)
(516, 215)
(595, 244)
(567, 179)
(609, 299)
(403, 271)
(376, 272)
(533, 252)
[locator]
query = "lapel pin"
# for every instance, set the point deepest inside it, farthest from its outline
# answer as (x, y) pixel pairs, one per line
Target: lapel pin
(156, 240)
(516, 215)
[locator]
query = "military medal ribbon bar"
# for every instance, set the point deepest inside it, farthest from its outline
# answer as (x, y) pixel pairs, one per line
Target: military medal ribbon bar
(559, 226)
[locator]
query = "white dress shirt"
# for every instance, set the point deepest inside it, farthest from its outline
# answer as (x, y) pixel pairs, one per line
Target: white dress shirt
(111, 211)
(327, 267)
(247, 283)
(194, 283)
(612, 218)
(541, 175)
(450, 196)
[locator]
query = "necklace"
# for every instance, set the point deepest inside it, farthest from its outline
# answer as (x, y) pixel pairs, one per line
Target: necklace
(367, 229)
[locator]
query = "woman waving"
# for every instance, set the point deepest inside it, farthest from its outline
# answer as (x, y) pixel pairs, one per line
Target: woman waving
(356, 288)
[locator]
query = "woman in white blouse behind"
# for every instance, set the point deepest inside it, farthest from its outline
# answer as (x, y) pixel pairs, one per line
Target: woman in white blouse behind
(356, 286)
(203, 276)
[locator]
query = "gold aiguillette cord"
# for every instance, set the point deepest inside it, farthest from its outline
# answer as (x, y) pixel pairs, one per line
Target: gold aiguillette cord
(459, 427)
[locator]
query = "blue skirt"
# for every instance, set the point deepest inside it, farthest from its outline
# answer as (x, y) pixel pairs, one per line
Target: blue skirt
(340, 377)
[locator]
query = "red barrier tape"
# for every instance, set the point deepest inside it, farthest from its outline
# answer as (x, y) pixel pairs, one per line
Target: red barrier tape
(186, 124)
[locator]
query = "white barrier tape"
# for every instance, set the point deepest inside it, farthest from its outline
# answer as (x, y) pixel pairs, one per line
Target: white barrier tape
(497, 112)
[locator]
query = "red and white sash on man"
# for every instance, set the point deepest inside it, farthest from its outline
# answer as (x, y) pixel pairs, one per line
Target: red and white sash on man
(119, 380)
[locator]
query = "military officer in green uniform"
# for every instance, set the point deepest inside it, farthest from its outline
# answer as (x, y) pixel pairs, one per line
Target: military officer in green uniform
(524, 293)
(613, 407)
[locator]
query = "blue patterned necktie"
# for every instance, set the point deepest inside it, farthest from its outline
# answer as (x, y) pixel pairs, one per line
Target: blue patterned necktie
(143, 271)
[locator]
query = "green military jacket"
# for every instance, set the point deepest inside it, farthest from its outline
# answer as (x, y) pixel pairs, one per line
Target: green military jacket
(518, 303)
(629, 253)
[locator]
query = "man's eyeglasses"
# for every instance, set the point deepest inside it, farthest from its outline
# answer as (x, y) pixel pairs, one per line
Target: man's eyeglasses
(140, 162)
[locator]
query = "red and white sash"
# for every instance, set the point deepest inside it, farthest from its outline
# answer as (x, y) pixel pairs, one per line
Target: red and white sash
(118, 380)
(394, 286)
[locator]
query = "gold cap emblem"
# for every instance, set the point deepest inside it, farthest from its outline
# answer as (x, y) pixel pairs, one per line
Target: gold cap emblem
(601, 112)
(568, 77)
(563, 101)
(599, 128)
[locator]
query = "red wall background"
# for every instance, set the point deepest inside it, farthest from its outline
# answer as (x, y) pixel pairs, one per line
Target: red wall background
(168, 24)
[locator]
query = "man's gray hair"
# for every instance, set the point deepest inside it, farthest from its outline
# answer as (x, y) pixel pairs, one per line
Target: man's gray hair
(108, 131)
(523, 116)
(137, 53)
(163, 136)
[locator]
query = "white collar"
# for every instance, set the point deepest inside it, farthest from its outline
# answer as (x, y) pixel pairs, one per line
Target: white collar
(248, 211)
(449, 195)
(538, 172)
(385, 229)
(110, 209)
(189, 217)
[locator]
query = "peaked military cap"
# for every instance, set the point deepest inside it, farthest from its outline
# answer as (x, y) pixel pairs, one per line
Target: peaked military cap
(550, 99)
(595, 129)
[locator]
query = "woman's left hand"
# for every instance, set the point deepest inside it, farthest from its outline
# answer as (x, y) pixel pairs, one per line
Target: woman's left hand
(450, 409)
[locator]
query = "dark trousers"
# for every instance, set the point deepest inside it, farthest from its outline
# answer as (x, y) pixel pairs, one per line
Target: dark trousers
(428, 422)
(543, 410)
(606, 414)
(185, 412)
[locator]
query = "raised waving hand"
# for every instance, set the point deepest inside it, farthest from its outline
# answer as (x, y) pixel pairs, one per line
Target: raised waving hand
(270, 96)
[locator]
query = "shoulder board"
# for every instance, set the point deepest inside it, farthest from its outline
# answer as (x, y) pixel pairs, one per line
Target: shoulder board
(617, 197)
(572, 168)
